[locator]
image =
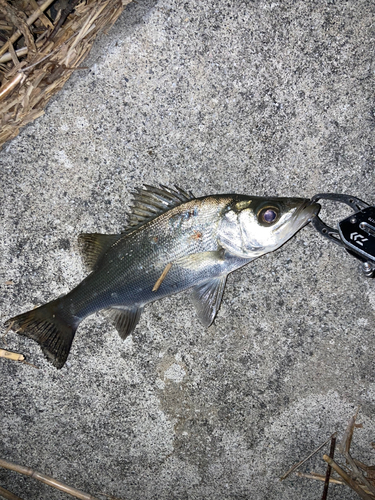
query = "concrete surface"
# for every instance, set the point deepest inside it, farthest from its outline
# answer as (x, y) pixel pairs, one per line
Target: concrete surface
(266, 98)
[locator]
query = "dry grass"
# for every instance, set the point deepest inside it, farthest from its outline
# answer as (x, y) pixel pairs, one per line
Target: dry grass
(353, 473)
(41, 44)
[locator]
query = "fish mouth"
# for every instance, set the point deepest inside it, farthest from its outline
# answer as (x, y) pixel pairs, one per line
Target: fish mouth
(307, 211)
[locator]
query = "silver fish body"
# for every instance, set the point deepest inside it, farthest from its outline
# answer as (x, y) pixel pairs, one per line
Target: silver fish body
(174, 242)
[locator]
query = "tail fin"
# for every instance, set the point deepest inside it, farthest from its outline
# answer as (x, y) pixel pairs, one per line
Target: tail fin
(51, 327)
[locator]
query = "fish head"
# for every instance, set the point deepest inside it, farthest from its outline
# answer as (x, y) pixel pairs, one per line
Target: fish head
(251, 227)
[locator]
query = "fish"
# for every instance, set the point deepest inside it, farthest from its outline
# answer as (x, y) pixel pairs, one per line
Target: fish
(173, 241)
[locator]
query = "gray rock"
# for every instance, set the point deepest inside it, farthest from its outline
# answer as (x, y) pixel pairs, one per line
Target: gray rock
(252, 97)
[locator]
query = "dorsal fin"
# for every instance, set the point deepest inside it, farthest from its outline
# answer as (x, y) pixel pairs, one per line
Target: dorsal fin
(94, 245)
(149, 202)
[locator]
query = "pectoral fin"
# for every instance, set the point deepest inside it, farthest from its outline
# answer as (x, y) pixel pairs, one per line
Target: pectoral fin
(207, 297)
(210, 262)
(124, 319)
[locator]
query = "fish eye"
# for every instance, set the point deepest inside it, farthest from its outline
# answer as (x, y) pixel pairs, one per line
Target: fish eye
(268, 215)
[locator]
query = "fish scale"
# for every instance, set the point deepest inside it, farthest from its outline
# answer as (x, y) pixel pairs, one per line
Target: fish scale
(143, 254)
(174, 242)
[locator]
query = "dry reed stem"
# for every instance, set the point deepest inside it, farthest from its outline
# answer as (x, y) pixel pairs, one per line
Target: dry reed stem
(370, 469)
(357, 474)
(19, 53)
(347, 479)
(14, 57)
(321, 477)
(27, 471)
(8, 494)
(296, 466)
(346, 441)
(329, 468)
(63, 15)
(8, 329)
(11, 355)
(42, 17)
(344, 448)
(29, 22)
(36, 75)
(18, 20)
(7, 89)
(162, 277)
(14, 356)
(353, 475)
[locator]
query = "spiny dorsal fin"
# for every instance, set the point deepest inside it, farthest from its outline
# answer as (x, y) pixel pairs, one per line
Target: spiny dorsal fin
(207, 298)
(124, 319)
(94, 246)
(149, 202)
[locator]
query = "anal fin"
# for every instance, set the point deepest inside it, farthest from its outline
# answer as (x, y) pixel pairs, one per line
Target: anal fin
(207, 297)
(125, 319)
